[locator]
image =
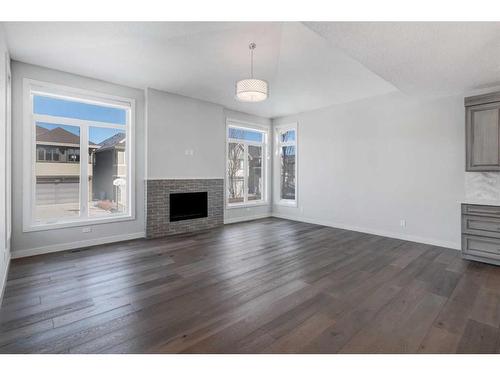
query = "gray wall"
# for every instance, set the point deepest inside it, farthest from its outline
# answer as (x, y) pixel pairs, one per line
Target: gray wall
(103, 173)
(368, 164)
(364, 165)
(177, 125)
(58, 239)
(186, 139)
(4, 178)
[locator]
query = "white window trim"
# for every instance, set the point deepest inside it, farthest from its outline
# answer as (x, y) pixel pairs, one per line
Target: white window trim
(7, 148)
(278, 130)
(29, 157)
(233, 123)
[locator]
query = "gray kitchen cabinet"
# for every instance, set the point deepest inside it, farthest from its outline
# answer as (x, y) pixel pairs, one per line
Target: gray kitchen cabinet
(481, 233)
(482, 132)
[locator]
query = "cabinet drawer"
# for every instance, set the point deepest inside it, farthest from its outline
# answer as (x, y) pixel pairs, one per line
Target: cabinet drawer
(484, 247)
(480, 210)
(481, 225)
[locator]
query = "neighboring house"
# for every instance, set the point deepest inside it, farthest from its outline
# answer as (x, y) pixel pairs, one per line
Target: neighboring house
(254, 175)
(236, 172)
(110, 172)
(288, 173)
(58, 166)
(58, 172)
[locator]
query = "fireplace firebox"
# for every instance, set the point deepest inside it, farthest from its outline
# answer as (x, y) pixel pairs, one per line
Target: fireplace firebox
(185, 206)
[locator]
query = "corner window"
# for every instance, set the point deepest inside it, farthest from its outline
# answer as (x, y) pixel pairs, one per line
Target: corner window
(286, 146)
(79, 170)
(246, 165)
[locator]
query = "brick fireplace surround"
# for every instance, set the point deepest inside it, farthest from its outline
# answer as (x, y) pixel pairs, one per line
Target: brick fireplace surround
(158, 206)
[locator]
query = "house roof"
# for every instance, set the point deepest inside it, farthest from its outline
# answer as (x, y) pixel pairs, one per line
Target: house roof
(117, 140)
(60, 135)
(40, 131)
(57, 135)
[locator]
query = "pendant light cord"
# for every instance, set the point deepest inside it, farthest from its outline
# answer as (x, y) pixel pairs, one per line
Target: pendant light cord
(251, 66)
(252, 47)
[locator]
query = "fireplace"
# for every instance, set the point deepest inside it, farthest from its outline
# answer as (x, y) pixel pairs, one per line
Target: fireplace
(185, 206)
(175, 206)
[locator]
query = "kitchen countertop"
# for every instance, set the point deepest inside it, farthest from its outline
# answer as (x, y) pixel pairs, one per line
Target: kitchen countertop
(479, 201)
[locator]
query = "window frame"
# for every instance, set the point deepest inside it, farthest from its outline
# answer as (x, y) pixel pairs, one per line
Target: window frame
(232, 123)
(30, 88)
(278, 144)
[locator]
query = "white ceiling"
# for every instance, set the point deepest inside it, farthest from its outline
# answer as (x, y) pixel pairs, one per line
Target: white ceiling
(202, 60)
(422, 58)
(308, 65)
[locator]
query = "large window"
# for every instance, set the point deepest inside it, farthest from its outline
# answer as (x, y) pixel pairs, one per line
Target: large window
(286, 144)
(246, 160)
(79, 170)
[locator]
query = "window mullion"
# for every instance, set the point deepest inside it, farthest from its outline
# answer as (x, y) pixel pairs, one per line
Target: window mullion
(263, 172)
(245, 174)
(84, 165)
(33, 165)
(75, 122)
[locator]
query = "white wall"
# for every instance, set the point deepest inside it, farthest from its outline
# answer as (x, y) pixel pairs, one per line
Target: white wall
(53, 240)
(4, 163)
(368, 164)
(186, 138)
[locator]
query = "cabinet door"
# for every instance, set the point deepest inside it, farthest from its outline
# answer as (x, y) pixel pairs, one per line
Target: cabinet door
(483, 137)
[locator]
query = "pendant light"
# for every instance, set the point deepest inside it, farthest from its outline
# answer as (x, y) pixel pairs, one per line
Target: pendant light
(251, 89)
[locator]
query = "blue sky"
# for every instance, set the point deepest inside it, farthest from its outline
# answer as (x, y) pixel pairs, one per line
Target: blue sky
(44, 105)
(247, 135)
(97, 135)
(288, 136)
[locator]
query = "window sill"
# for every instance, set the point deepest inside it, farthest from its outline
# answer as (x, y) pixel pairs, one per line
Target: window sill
(246, 205)
(286, 203)
(76, 223)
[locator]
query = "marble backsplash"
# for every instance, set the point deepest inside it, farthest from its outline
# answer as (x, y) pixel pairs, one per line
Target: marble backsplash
(482, 185)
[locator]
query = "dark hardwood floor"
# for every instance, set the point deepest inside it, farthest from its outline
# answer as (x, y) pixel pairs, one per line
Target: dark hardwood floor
(267, 286)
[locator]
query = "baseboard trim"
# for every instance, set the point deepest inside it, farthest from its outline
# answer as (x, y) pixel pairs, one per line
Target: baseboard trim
(4, 281)
(75, 245)
(246, 218)
(400, 236)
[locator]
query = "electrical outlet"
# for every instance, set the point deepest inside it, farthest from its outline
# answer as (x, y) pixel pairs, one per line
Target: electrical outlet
(86, 229)
(402, 223)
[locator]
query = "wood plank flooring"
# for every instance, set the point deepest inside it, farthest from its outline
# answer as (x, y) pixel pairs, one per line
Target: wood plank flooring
(266, 286)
